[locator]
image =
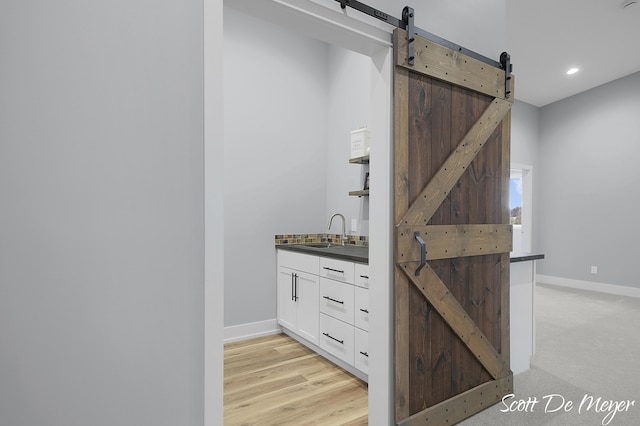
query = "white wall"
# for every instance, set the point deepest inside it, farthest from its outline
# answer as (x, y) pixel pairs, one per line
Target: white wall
(525, 147)
(275, 97)
(101, 224)
(525, 133)
(589, 180)
(214, 212)
(349, 97)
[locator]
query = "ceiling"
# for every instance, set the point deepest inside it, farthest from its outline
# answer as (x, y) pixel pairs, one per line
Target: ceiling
(547, 37)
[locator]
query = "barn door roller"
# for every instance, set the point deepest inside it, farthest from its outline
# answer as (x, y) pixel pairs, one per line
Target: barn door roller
(407, 19)
(505, 61)
(406, 23)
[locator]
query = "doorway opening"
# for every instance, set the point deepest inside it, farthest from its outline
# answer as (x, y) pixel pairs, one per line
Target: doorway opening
(521, 206)
(338, 32)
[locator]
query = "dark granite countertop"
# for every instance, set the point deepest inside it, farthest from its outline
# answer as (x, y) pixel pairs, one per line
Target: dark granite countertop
(350, 253)
(361, 254)
(523, 257)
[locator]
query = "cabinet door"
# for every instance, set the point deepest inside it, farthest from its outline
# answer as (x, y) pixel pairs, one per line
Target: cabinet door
(337, 338)
(361, 353)
(361, 308)
(336, 299)
(338, 270)
(308, 313)
(298, 261)
(362, 275)
(286, 302)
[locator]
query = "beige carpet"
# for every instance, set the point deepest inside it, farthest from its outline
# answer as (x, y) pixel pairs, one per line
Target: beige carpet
(587, 348)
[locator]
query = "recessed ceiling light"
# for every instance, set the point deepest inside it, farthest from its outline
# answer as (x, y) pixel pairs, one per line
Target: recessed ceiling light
(572, 71)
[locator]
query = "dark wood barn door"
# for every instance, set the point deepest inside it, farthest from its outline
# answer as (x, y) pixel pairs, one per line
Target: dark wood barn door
(452, 144)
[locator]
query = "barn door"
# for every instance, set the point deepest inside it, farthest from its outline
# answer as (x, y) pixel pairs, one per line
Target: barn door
(452, 236)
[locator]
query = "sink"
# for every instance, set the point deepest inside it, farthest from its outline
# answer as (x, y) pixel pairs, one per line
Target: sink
(346, 252)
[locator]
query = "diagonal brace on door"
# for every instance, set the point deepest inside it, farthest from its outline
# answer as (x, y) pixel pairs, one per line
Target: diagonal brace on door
(441, 184)
(439, 296)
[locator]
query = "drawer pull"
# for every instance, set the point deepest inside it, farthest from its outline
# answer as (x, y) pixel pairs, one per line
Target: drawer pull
(333, 270)
(333, 300)
(366, 277)
(333, 338)
(365, 354)
(366, 311)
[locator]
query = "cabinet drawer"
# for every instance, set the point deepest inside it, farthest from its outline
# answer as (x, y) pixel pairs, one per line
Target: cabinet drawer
(361, 351)
(298, 261)
(361, 308)
(362, 275)
(338, 270)
(336, 299)
(336, 337)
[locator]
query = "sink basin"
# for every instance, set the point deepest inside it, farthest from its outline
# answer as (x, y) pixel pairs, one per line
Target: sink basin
(347, 252)
(317, 245)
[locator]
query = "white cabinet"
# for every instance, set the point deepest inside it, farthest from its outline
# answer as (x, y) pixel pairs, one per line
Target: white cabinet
(361, 319)
(298, 290)
(306, 286)
(337, 338)
(336, 300)
(287, 307)
(361, 275)
(326, 302)
(344, 311)
(361, 350)
(338, 270)
(361, 308)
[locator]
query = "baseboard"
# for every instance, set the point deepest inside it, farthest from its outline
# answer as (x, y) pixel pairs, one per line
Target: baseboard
(618, 290)
(236, 333)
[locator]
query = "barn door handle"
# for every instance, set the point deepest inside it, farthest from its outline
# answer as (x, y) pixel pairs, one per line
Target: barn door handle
(423, 252)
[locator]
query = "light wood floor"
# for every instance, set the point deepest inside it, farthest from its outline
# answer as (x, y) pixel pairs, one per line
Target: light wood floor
(275, 380)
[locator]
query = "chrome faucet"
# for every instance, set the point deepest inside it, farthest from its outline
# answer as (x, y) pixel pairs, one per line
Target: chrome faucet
(344, 235)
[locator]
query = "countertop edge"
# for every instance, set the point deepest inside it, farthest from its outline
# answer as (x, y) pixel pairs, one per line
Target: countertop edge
(524, 257)
(300, 248)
